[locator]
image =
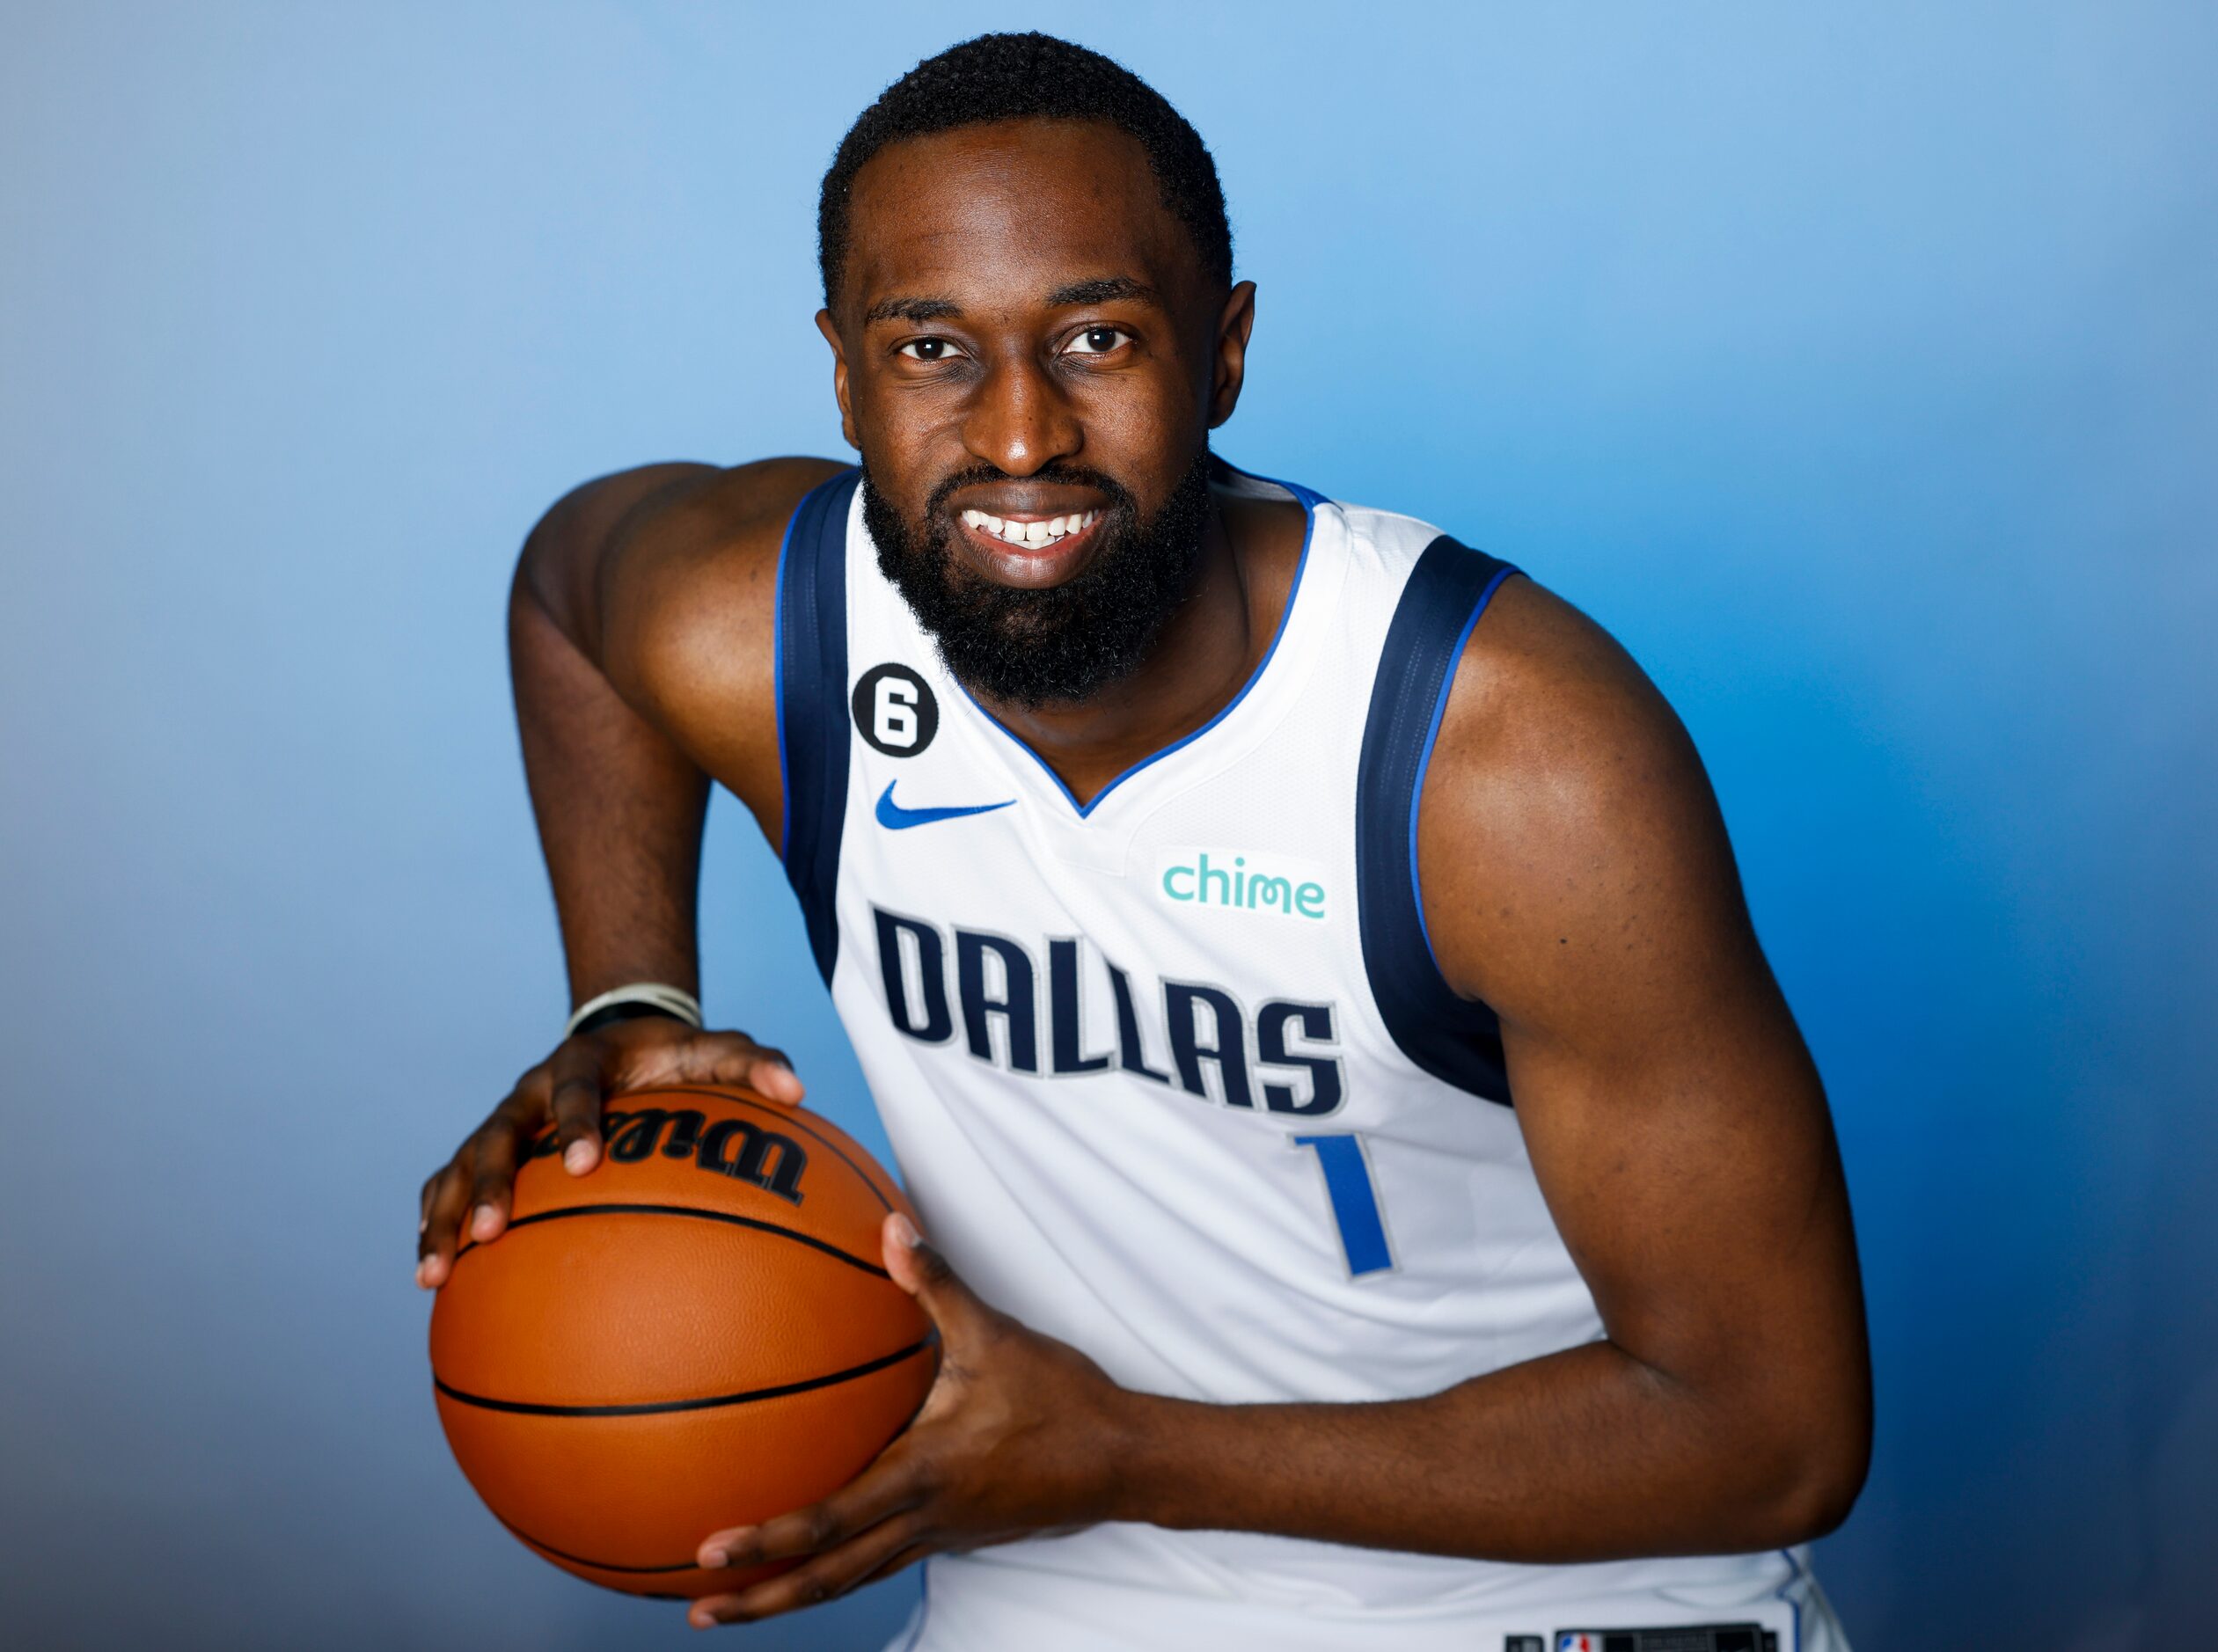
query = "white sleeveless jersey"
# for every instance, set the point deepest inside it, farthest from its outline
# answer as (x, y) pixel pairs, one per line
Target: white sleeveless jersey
(1172, 1077)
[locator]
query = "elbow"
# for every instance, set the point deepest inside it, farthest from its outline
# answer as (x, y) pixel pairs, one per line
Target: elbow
(1812, 1482)
(1818, 1500)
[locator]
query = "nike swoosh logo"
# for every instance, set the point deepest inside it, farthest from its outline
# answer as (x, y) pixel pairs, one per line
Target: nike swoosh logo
(895, 818)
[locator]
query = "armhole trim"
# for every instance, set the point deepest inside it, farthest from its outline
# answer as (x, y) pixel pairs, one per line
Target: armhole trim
(810, 661)
(1456, 1040)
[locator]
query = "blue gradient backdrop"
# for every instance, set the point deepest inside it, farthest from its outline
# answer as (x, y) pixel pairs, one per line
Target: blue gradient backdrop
(1857, 364)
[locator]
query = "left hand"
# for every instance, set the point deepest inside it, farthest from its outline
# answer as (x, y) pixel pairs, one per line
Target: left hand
(1019, 1435)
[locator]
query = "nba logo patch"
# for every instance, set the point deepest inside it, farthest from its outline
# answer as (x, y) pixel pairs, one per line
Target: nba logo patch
(1574, 1643)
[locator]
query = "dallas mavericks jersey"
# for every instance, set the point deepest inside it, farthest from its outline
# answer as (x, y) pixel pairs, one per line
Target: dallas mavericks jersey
(1173, 1076)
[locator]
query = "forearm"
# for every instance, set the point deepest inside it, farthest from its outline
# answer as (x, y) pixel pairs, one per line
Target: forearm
(620, 808)
(1587, 1454)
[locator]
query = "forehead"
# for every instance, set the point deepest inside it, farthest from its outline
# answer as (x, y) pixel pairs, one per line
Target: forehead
(1006, 212)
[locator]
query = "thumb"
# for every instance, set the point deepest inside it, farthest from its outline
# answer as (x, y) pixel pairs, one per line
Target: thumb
(924, 1274)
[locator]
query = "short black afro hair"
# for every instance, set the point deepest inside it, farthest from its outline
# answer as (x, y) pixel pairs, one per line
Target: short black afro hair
(1036, 76)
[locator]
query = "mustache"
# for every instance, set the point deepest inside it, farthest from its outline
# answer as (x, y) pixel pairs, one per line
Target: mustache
(1055, 471)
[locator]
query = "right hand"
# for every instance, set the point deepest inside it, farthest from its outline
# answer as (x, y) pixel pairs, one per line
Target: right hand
(568, 1088)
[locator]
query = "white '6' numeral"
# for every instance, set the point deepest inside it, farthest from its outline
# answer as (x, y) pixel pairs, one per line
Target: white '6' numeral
(896, 712)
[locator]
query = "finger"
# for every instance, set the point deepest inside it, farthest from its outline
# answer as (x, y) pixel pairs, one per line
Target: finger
(494, 1177)
(574, 1099)
(824, 1578)
(893, 1485)
(899, 1559)
(924, 1274)
(739, 1059)
(446, 1196)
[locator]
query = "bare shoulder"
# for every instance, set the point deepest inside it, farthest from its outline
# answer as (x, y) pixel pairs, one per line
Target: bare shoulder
(687, 587)
(1570, 846)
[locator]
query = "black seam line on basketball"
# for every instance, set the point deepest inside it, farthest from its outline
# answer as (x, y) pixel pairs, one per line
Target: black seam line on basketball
(783, 1115)
(601, 1566)
(760, 1226)
(655, 1408)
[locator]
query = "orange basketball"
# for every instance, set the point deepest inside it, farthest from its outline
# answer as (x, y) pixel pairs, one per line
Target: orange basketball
(700, 1334)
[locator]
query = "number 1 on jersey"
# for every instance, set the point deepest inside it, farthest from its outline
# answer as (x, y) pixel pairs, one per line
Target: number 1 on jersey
(1355, 1202)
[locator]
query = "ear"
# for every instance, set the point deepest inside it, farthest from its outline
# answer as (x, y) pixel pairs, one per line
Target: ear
(1233, 327)
(826, 325)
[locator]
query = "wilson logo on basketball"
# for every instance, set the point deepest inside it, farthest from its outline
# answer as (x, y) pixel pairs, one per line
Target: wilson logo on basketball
(729, 1147)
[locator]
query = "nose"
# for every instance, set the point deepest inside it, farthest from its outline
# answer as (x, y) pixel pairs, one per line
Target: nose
(1020, 419)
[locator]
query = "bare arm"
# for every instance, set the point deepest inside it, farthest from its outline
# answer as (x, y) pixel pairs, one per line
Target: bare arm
(1576, 877)
(640, 626)
(620, 806)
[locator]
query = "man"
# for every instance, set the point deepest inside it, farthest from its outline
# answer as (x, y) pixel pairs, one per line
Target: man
(1202, 868)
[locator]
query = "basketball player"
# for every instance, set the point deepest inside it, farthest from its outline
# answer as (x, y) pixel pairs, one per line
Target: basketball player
(1378, 1195)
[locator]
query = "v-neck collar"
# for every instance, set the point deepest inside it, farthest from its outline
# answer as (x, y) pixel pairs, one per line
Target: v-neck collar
(1309, 499)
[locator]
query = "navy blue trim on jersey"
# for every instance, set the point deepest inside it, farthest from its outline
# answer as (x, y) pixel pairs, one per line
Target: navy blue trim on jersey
(1457, 1040)
(810, 659)
(1309, 499)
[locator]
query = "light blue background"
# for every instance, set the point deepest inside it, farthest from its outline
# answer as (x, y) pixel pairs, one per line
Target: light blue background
(1857, 364)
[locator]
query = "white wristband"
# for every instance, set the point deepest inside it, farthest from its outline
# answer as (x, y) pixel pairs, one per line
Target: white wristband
(670, 1000)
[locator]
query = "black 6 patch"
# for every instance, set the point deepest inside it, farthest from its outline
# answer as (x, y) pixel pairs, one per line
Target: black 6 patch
(894, 711)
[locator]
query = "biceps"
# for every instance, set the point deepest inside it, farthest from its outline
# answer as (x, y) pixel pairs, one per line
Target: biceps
(1689, 1164)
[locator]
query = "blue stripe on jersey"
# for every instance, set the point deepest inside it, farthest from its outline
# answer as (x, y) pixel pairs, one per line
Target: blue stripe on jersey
(1457, 1040)
(810, 664)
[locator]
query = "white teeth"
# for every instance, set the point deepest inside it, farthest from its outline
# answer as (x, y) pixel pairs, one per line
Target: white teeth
(1029, 534)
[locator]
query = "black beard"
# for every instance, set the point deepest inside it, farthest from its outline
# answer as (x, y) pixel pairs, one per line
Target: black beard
(1065, 644)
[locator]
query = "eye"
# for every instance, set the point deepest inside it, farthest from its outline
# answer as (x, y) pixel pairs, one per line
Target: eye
(1096, 341)
(928, 349)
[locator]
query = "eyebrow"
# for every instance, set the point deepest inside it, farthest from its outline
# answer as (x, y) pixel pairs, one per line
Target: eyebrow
(914, 309)
(1100, 291)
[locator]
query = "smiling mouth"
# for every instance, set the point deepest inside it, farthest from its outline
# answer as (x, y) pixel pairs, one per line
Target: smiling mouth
(1041, 534)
